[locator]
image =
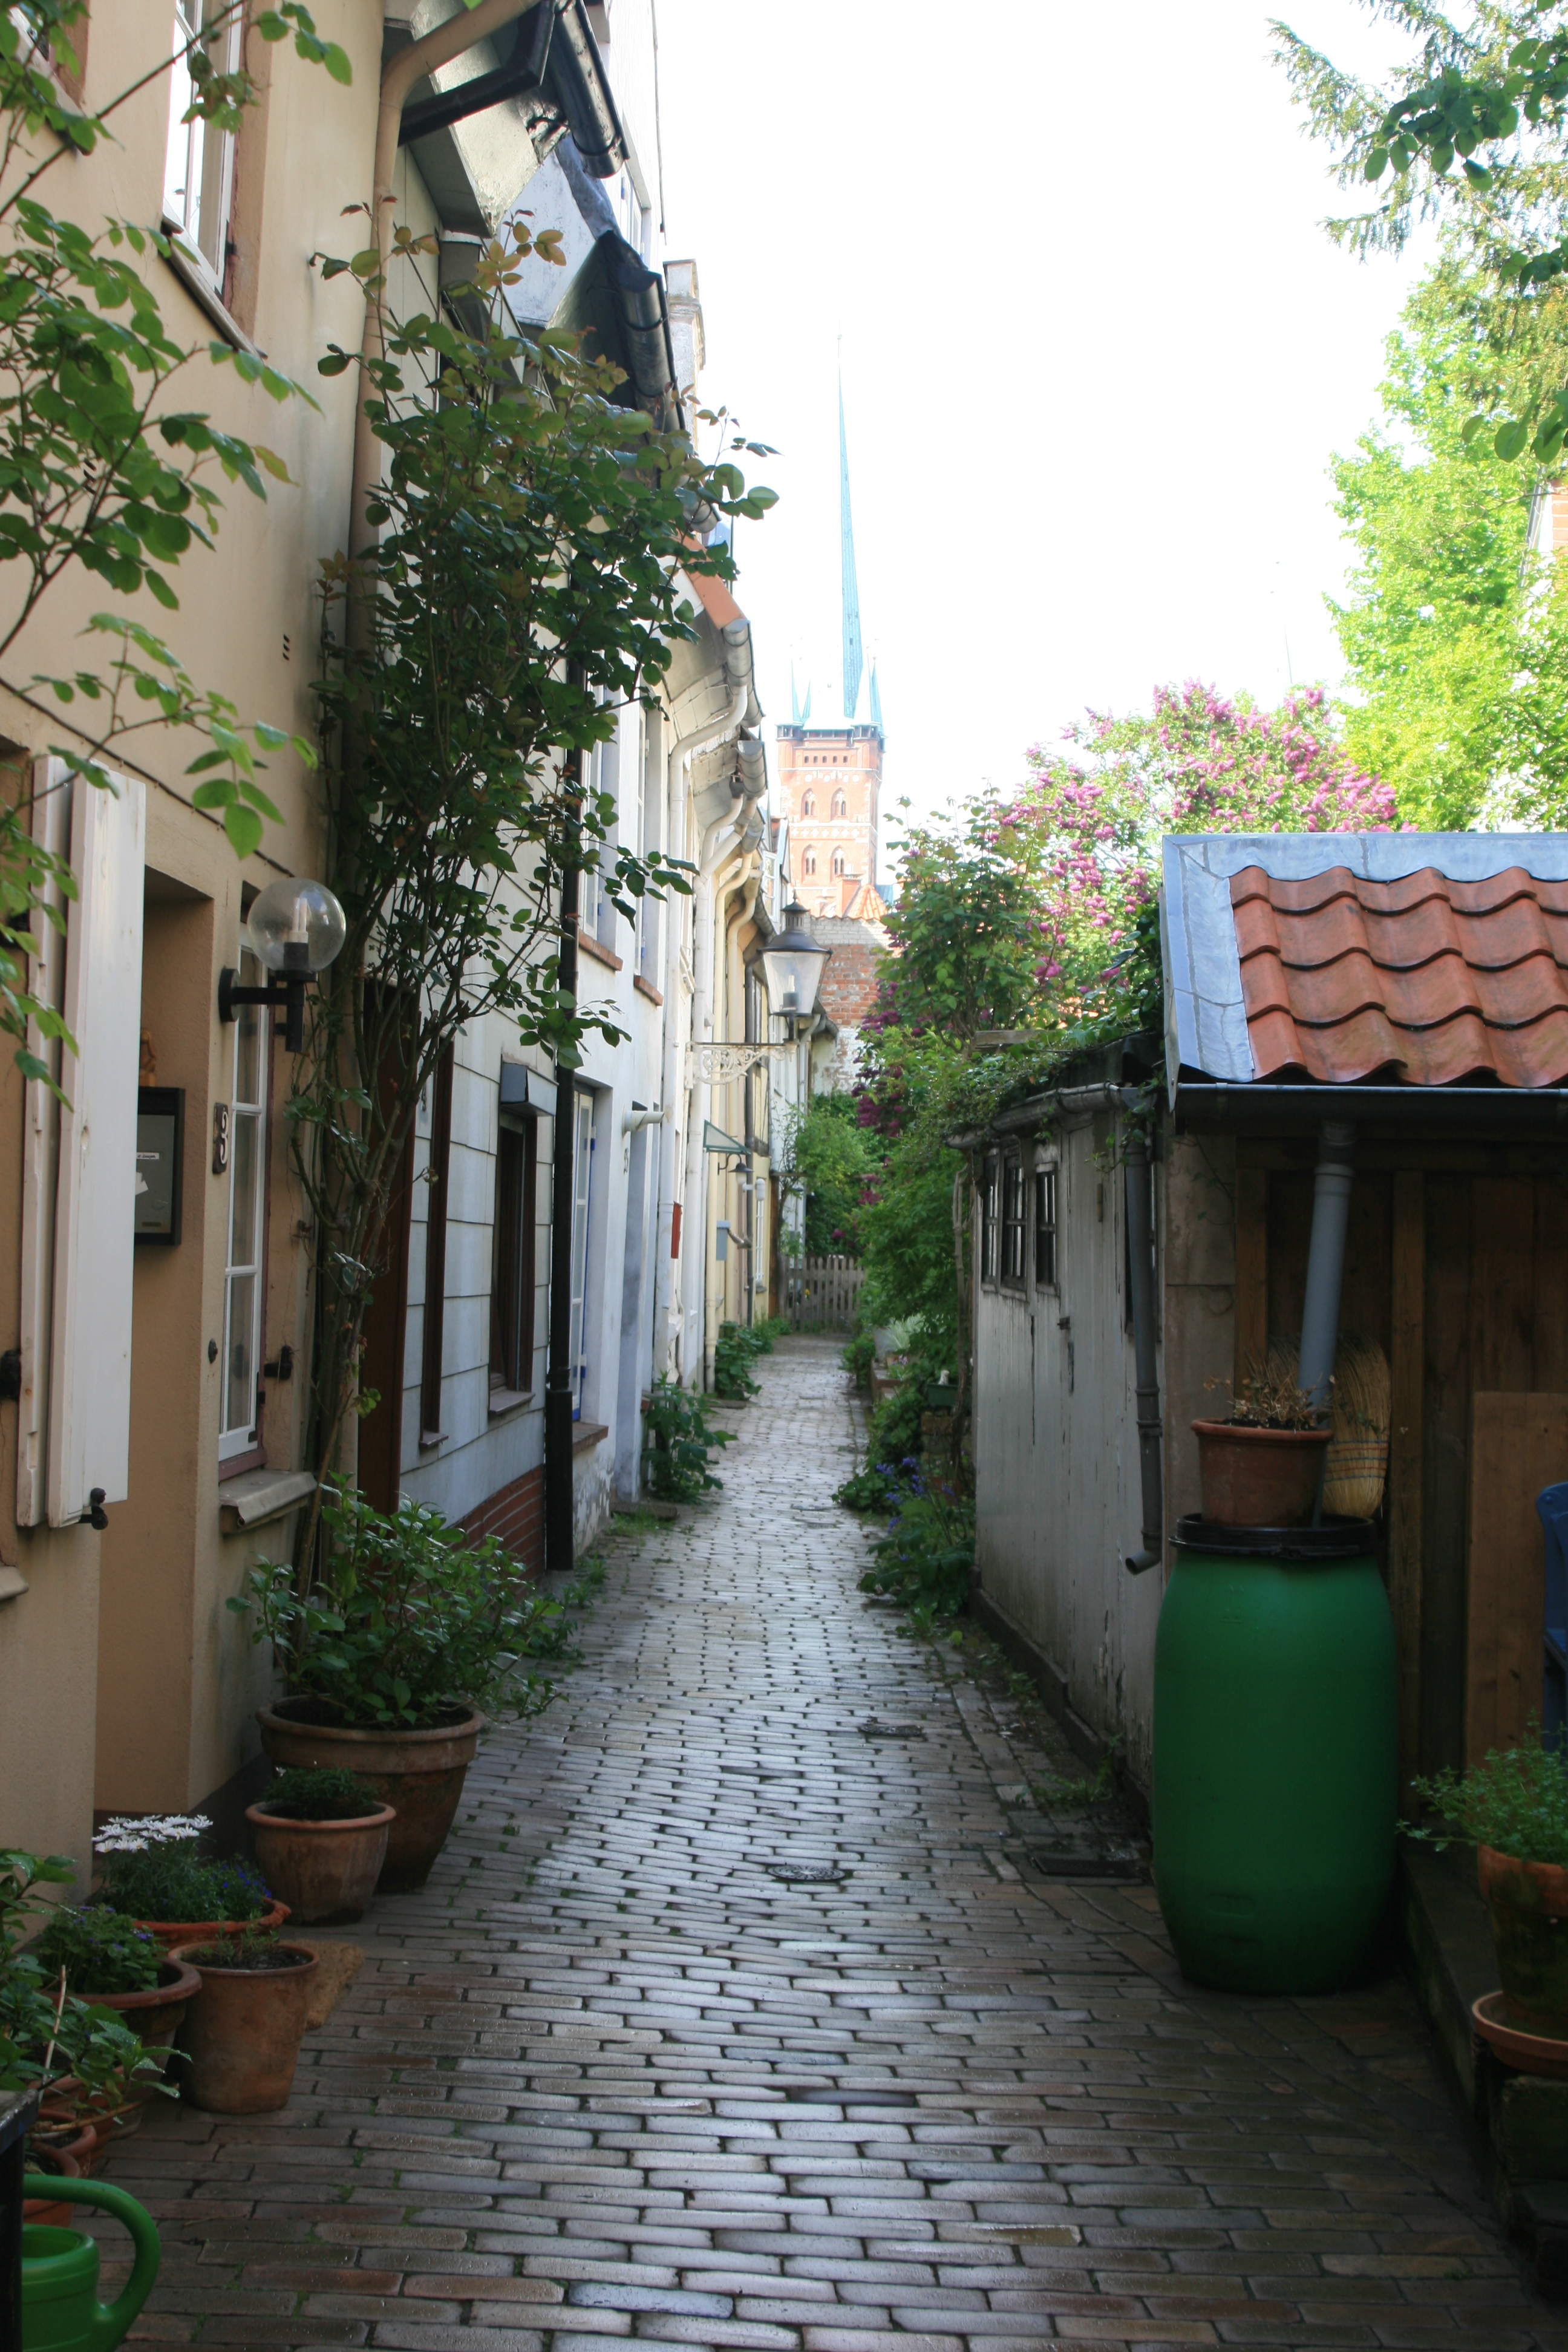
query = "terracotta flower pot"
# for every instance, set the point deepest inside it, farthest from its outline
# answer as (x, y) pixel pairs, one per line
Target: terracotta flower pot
(171, 1932)
(328, 1870)
(242, 2033)
(1529, 1905)
(65, 2163)
(156, 2009)
(1258, 1477)
(419, 1772)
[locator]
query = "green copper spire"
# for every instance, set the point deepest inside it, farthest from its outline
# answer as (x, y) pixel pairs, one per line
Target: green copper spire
(852, 655)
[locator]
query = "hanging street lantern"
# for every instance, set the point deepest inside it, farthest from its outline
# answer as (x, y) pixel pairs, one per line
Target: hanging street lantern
(793, 961)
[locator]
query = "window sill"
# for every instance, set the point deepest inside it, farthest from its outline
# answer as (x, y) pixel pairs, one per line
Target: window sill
(588, 1433)
(505, 1400)
(645, 988)
(195, 283)
(13, 1583)
(261, 1496)
(430, 1438)
(598, 950)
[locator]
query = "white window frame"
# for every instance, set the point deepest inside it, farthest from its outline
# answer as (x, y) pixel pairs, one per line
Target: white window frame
(584, 1109)
(245, 1438)
(191, 162)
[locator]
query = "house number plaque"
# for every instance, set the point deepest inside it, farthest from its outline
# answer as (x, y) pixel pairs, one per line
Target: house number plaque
(220, 1137)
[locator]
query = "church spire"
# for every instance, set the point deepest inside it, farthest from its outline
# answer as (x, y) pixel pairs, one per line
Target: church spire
(852, 653)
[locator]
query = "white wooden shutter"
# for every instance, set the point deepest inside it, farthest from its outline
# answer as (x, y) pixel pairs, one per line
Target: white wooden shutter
(89, 1372)
(40, 1160)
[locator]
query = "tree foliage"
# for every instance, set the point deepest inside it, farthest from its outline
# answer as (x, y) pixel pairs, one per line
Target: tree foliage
(519, 588)
(1489, 93)
(1453, 633)
(102, 471)
(830, 1158)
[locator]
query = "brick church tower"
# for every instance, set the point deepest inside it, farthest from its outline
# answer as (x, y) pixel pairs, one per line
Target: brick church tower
(830, 774)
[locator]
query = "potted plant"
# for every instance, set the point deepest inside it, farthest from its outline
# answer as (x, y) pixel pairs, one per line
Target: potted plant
(242, 2033)
(111, 1963)
(320, 1839)
(92, 2071)
(153, 1875)
(1261, 1467)
(389, 1659)
(1514, 1809)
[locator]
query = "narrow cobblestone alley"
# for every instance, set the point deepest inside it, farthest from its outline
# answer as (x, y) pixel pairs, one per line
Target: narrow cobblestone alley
(613, 2074)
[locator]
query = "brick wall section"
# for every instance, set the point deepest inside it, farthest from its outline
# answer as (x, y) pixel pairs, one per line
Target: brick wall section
(516, 1515)
(848, 988)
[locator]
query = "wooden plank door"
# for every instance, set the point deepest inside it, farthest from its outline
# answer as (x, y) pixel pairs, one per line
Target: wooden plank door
(1519, 1443)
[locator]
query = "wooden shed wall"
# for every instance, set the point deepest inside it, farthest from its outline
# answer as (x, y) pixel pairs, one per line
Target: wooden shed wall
(1456, 1264)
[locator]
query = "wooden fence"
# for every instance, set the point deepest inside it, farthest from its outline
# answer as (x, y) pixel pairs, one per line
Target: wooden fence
(819, 1293)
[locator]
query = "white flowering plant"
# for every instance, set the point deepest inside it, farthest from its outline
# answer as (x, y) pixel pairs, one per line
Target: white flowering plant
(149, 1831)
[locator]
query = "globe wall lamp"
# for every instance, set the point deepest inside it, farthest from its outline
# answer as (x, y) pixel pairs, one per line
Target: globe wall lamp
(296, 928)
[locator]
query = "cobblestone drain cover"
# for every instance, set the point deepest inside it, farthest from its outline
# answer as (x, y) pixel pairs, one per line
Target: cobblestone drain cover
(807, 1873)
(872, 1729)
(1087, 1861)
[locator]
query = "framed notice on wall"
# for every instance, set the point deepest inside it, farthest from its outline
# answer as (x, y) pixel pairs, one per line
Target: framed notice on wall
(160, 1151)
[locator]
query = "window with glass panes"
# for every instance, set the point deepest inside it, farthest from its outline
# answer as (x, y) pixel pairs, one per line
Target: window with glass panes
(199, 172)
(1013, 1218)
(1045, 1228)
(243, 1303)
(512, 1253)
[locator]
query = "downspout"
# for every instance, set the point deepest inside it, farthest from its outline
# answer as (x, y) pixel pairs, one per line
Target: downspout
(1332, 1185)
(399, 75)
(1138, 1176)
(717, 844)
(559, 1539)
(680, 755)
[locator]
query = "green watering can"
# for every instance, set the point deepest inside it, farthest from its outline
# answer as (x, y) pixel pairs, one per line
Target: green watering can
(60, 2310)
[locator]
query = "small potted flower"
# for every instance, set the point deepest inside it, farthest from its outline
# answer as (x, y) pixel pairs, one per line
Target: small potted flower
(1261, 1467)
(242, 2033)
(321, 1840)
(153, 1874)
(411, 1629)
(111, 1963)
(1513, 1809)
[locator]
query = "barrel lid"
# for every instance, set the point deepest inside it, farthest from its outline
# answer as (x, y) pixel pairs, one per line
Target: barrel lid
(1335, 1539)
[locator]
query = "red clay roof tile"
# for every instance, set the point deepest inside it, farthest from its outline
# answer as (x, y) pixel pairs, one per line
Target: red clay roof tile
(1421, 980)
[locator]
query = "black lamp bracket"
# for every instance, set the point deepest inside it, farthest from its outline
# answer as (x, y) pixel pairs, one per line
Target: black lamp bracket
(286, 993)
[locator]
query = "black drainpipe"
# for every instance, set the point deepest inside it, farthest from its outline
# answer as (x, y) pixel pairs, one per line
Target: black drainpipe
(558, 1380)
(1139, 1178)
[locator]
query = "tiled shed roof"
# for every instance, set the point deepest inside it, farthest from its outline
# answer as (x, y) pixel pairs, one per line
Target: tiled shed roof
(1410, 959)
(1421, 980)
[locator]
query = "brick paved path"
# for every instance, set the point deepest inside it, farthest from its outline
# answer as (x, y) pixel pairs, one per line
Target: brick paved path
(608, 2077)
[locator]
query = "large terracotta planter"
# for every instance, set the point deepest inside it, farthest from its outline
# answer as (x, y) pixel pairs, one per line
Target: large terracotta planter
(327, 1870)
(1529, 1905)
(155, 2010)
(419, 1772)
(171, 1932)
(1258, 1477)
(242, 2033)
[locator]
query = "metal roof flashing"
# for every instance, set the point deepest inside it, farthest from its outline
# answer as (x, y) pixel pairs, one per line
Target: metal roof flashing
(1209, 1059)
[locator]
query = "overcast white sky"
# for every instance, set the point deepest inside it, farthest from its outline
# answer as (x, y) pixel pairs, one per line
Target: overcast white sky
(1096, 350)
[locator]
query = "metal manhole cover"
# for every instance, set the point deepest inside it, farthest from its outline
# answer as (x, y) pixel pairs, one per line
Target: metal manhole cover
(807, 1873)
(1081, 1862)
(873, 1729)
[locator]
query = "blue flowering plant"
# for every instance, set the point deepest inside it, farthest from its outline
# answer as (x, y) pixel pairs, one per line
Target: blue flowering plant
(924, 1560)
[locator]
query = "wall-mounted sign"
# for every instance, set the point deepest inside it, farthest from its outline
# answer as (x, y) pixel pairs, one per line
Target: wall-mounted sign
(160, 1153)
(220, 1137)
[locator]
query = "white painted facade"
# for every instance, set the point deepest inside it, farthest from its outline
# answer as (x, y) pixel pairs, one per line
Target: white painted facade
(1057, 1491)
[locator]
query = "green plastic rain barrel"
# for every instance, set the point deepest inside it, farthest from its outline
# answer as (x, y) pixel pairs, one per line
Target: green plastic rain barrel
(1275, 1758)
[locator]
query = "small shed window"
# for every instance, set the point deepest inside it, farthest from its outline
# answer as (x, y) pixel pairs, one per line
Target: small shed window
(989, 1223)
(1013, 1219)
(1045, 1228)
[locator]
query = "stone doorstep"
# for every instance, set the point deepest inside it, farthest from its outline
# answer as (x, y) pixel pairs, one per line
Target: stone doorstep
(1517, 2123)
